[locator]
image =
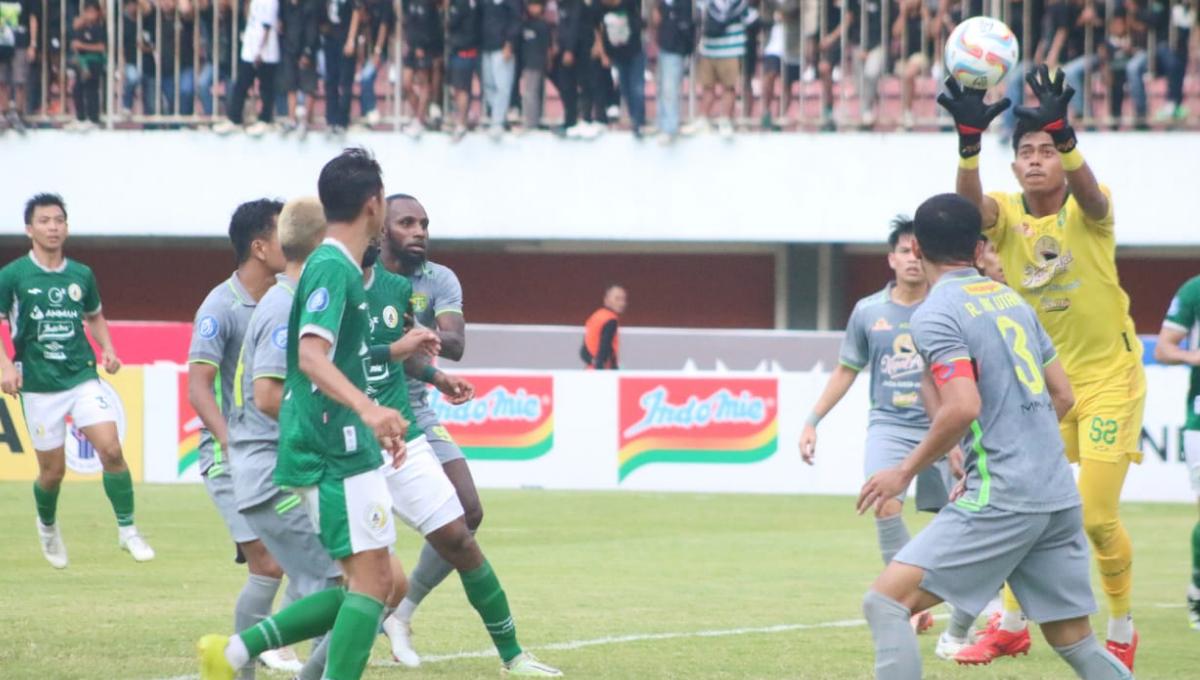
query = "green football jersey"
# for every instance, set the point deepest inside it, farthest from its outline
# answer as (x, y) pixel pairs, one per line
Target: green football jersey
(1184, 315)
(320, 439)
(389, 300)
(45, 309)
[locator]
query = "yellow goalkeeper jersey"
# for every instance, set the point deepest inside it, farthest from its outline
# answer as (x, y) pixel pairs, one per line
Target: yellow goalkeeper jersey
(1064, 265)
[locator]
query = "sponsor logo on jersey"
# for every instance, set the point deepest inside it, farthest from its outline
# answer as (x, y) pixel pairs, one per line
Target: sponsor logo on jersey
(208, 327)
(317, 301)
(75, 292)
(981, 288)
(34, 291)
(695, 420)
(511, 417)
(56, 295)
(881, 325)
(904, 359)
(55, 330)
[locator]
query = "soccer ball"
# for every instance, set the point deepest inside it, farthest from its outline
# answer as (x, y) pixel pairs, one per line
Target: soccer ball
(980, 52)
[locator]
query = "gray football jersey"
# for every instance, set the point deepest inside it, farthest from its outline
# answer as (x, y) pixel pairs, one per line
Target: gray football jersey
(254, 436)
(436, 291)
(879, 339)
(1014, 452)
(217, 334)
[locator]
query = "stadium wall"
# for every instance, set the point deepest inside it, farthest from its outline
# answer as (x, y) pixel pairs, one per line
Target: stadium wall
(680, 431)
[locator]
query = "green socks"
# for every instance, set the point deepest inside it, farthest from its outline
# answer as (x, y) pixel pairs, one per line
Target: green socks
(303, 619)
(487, 597)
(1195, 555)
(47, 504)
(353, 636)
(118, 486)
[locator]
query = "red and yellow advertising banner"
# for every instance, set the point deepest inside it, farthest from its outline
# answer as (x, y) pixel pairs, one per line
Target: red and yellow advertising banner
(187, 427)
(511, 417)
(695, 420)
(19, 462)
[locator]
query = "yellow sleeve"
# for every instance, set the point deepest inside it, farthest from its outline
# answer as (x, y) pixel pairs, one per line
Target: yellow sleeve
(1106, 223)
(1004, 219)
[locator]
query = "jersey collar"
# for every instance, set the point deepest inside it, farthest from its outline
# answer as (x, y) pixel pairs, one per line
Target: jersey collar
(286, 281)
(239, 291)
(329, 240)
(958, 275)
(57, 270)
(370, 279)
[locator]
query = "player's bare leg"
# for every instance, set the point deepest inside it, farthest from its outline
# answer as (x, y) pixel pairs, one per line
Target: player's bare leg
(118, 486)
(52, 466)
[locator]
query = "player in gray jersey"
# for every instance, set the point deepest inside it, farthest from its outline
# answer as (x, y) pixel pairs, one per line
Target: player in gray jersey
(276, 516)
(217, 334)
(1016, 514)
(879, 340)
(436, 304)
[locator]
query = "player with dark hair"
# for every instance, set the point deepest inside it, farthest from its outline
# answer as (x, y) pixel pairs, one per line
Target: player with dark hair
(49, 300)
(1056, 242)
(217, 331)
(879, 340)
(331, 433)
(1016, 514)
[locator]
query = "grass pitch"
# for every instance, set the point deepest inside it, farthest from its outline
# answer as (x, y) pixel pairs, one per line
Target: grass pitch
(603, 585)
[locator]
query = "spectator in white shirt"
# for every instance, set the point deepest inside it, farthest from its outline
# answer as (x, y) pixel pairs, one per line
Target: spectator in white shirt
(259, 59)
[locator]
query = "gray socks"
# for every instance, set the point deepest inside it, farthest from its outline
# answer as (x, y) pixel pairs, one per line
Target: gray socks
(314, 667)
(960, 624)
(1092, 662)
(897, 656)
(254, 604)
(893, 536)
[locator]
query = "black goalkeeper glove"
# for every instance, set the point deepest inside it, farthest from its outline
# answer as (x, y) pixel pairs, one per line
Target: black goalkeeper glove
(971, 115)
(1051, 113)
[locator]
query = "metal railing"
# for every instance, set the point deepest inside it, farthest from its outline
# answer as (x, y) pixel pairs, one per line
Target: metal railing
(172, 63)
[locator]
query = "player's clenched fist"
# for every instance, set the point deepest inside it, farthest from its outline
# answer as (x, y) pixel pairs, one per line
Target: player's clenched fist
(387, 424)
(10, 381)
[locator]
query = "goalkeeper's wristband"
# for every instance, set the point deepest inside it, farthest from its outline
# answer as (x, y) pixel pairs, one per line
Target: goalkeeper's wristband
(969, 162)
(812, 419)
(969, 144)
(1071, 160)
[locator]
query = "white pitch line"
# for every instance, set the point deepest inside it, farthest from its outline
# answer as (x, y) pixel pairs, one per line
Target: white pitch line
(622, 639)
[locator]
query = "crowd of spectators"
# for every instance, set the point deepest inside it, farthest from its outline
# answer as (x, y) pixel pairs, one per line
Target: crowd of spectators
(257, 66)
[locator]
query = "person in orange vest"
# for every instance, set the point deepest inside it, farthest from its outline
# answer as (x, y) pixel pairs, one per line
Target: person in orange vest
(601, 344)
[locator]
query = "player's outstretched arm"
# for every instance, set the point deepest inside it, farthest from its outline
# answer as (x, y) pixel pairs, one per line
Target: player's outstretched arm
(972, 116)
(839, 384)
(202, 376)
(1050, 116)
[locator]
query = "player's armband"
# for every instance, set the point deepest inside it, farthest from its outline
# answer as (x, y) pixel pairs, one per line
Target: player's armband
(945, 371)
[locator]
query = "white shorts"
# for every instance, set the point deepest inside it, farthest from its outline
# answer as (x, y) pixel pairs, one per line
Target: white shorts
(351, 515)
(422, 495)
(87, 403)
(1191, 453)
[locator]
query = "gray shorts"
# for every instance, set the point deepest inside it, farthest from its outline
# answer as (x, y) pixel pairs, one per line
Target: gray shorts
(968, 555)
(284, 527)
(933, 486)
(440, 440)
(220, 490)
(887, 445)
(15, 69)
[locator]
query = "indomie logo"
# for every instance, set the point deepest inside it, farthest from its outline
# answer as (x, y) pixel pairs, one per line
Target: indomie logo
(497, 404)
(722, 406)
(511, 418)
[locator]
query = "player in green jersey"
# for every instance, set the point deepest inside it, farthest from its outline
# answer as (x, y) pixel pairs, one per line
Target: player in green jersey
(1183, 323)
(330, 438)
(49, 300)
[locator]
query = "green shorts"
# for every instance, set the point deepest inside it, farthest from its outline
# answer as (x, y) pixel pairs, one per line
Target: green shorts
(351, 515)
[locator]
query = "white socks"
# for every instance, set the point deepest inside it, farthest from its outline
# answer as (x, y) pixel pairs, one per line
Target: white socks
(125, 532)
(1013, 622)
(406, 610)
(1121, 629)
(236, 653)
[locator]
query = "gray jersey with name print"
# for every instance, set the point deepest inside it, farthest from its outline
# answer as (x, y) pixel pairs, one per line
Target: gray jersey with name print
(436, 291)
(879, 339)
(253, 435)
(1014, 452)
(217, 333)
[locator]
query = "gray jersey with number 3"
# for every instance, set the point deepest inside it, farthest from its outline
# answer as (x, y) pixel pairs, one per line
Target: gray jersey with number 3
(1014, 452)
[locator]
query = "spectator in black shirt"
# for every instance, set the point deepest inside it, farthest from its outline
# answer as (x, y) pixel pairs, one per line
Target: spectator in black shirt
(573, 43)
(535, 53)
(175, 46)
(619, 33)
(377, 22)
(463, 38)
(138, 53)
(300, 35)
(1068, 22)
(1028, 38)
(338, 34)
(88, 44)
(906, 34)
(15, 59)
(218, 56)
(501, 32)
(1159, 16)
(422, 28)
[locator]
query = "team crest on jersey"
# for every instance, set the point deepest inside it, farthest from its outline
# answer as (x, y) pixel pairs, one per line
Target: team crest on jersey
(1050, 260)
(75, 292)
(208, 327)
(56, 296)
(420, 302)
(391, 317)
(318, 301)
(904, 359)
(279, 336)
(882, 325)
